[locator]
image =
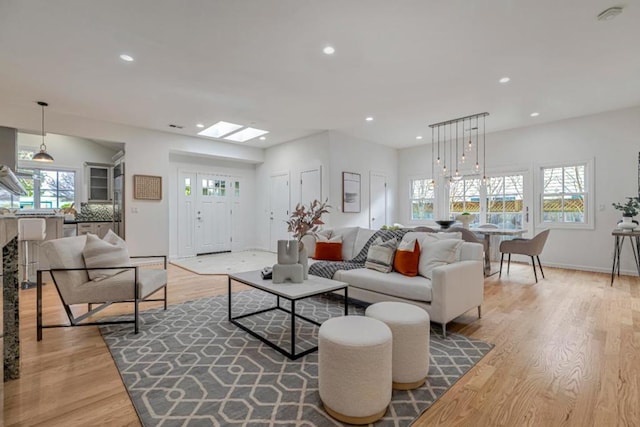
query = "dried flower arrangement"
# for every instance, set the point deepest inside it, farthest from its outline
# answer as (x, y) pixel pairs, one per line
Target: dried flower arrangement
(305, 220)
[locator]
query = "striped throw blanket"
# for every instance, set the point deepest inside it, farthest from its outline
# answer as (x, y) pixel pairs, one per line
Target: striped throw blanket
(328, 268)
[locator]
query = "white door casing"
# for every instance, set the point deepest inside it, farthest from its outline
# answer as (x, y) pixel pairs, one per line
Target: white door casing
(280, 200)
(377, 200)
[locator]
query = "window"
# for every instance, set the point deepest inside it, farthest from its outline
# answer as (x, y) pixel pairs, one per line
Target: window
(464, 196)
(564, 194)
(52, 189)
(422, 199)
(505, 197)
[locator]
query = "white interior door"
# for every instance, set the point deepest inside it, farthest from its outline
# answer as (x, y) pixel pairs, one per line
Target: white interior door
(213, 214)
(280, 201)
(186, 213)
(310, 185)
(377, 200)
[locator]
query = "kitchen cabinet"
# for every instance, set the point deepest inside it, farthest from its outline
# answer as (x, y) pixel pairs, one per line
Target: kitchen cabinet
(99, 182)
(98, 228)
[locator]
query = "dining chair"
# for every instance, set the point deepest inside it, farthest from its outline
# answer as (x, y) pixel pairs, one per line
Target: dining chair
(530, 247)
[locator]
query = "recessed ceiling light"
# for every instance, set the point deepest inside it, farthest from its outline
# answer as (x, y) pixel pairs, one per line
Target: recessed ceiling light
(419, 137)
(199, 125)
(535, 114)
(369, 119)
(126, 57)
(504, 80)
(610, 13)
(245, 134)
(262, 138)
(220, 129)
(329, 50)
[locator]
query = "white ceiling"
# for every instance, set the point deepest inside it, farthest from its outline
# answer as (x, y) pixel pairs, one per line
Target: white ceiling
(260, 63)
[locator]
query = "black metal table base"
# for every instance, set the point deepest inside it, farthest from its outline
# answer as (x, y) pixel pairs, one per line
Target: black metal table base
(292, 353)
(634, 241)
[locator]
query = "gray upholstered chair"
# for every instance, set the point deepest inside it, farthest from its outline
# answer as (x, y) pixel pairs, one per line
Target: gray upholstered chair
(470, 236)
(115, 283)
(530, 247)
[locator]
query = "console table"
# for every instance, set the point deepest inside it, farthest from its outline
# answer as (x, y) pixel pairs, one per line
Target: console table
(634, 241)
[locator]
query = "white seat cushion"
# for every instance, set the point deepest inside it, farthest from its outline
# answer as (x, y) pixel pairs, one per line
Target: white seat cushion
(416, 288)
(119, 287)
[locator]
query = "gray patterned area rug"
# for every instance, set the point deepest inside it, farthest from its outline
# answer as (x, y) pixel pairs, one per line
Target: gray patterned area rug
(189, 366)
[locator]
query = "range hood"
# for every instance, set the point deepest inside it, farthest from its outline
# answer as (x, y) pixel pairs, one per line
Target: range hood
(8, 161)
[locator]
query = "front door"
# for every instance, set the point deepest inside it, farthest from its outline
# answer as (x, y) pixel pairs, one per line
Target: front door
(213, 214)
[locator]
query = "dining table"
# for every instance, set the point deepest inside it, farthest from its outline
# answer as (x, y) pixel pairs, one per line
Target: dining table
(487, 233)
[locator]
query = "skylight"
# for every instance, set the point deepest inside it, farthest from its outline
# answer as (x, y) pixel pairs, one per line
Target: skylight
(220, 129)
(246, 134)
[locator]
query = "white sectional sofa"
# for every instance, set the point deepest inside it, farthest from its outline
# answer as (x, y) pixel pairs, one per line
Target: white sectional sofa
(454, 289)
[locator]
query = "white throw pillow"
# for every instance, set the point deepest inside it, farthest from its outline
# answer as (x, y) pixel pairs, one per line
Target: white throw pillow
(422, 235)
(380, 255)
(334, 239)
(435, 253)
(108, 252)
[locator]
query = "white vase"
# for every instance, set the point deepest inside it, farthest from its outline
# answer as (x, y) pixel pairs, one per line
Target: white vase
(627, 223)
(304, 260)
(465, 219)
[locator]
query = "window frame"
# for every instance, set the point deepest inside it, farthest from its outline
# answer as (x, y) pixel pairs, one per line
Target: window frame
(411, 200)
(589, 195)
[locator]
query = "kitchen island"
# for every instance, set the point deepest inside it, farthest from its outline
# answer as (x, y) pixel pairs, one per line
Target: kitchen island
(11, 287)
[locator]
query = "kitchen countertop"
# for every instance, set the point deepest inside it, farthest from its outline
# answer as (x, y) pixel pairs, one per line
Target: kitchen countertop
(82, 221)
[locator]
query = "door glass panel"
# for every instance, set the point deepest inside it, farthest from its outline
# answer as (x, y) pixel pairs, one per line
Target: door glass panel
(237, 188)
(187, 186)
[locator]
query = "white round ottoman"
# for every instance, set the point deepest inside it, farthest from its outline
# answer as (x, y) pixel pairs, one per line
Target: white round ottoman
(354, 368)
(409, 325)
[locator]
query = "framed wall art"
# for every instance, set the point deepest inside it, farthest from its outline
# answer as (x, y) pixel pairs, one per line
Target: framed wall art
(350, 192)
(147, 187)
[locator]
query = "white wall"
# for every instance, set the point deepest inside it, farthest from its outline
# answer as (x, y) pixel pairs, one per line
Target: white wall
(147, 153)
(292, 157)
(336, 153)
(245, 171)
(70, 153)
(349, 154)
(610, 138)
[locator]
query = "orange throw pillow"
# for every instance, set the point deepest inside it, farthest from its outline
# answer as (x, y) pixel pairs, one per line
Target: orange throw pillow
(329, 251)
(406, 262)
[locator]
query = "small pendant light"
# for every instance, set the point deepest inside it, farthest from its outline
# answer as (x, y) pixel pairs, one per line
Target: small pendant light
(43, 156)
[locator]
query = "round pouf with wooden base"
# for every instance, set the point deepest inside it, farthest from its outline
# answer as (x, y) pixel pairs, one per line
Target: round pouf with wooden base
(409, 325)
(354, 368)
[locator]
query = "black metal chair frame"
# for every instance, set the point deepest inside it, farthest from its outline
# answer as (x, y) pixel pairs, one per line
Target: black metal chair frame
(533, 263)
(76, 321)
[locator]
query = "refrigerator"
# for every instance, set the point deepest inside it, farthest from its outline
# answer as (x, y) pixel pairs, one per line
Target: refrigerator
(118, 199)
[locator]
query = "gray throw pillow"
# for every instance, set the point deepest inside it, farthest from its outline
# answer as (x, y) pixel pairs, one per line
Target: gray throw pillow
(108, 252)
(380, 255)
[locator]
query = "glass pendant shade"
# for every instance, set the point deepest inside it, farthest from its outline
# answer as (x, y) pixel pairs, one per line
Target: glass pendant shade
(43, 156)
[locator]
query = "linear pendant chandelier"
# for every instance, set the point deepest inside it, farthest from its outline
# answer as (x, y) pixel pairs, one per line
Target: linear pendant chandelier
(454, 153)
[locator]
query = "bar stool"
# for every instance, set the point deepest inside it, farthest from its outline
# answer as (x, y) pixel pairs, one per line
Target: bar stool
(30, 231)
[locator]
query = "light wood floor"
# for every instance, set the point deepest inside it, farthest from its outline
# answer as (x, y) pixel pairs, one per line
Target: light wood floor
(567, 353)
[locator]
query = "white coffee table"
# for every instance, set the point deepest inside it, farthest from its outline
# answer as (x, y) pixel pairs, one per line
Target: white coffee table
(290, 291)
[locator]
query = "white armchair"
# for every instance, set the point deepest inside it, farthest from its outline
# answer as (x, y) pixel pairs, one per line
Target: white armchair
(87, 270)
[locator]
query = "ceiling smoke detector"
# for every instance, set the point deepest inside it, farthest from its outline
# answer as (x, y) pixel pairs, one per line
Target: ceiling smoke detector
(610, 13)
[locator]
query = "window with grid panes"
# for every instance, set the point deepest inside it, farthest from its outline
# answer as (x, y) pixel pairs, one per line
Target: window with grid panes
(564, 194)
(422, 199)
(505, 196)
(464, 196)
